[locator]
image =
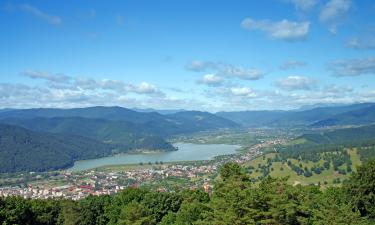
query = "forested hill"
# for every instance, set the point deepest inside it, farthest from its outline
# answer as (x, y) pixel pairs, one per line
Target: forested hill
(25, 150)
(345, 136)
(360, 116)
(119, 128)
(116, 132)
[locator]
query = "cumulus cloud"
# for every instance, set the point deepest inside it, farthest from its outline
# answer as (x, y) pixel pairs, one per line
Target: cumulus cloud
(303, 5)
(291, 64)
(34, 11)
(243, 91)
(31, 96)
(292, 83)
(333, 11)
(199, 66)
(225, 70)
(353, 67)
(365, 42)
(61, 82)
(284, 30)
(241, 73)
(46, 76)
(145, 88)
(211, 80)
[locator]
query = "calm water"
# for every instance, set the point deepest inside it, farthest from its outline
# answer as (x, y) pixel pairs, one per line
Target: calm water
(186, 152)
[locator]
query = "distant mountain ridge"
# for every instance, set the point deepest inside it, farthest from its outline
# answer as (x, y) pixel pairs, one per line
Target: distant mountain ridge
(97, 112)
(147, 122)
(355, 114)
(160, 111)
(338, 137)
(361, 116)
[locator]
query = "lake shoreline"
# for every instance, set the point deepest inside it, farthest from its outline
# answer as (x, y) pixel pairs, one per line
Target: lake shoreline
(186, 152)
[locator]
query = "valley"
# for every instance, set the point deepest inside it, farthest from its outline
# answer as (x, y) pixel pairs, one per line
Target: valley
(187, 154)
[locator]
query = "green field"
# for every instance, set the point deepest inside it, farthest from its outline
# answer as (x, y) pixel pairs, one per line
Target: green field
(279, 169)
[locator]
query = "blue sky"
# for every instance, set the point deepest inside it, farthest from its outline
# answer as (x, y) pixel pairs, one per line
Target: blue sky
(205, 55)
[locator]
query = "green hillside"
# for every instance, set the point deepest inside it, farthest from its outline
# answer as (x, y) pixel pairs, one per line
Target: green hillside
(25, 150)
(326, 158)
(347, 136)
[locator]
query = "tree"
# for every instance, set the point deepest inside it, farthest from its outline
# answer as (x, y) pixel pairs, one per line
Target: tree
(361, 189)
(160, 203)
(92, 210)
(331, 207)
(230, 170)
(16, 210)
(121, 200)
(69, 214)
(135, 214)
(46, 212)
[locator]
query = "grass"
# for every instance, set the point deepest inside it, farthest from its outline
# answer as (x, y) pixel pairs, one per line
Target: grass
(279, 169)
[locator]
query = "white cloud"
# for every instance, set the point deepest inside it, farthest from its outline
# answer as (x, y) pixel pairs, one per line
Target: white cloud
(334, 11)
(225, 70)
(284, 30)
(64, 82)
(353, 67)
(32, 10)
(145, 88)
(292, 83)
(337, 90)
(303, 5)
(291, 64)
(366, 42)
(241, 73)
(243, 91)
(46, 76)
(211, 80)
(199, 66)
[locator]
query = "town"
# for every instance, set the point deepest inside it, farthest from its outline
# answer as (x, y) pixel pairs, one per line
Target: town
(78, 185)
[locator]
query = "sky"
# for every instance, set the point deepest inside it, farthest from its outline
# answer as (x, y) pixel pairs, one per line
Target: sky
(196, 55)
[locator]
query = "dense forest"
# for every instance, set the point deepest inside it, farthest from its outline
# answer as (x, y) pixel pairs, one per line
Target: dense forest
(234, 200)
(26, 150)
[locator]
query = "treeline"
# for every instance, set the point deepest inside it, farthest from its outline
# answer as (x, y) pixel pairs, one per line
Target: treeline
(235, 200)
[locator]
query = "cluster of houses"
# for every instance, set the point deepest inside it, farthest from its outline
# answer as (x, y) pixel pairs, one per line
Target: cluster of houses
(80, 185)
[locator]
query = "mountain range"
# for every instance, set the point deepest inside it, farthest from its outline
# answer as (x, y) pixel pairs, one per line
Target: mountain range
(355, 114)
(65, 134)
(113, 129)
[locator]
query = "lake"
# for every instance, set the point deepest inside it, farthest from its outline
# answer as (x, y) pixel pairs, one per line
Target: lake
(185, 152)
